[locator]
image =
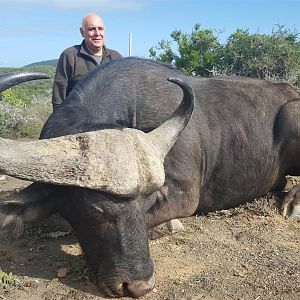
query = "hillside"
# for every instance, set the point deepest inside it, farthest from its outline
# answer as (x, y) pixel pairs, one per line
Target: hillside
(51, 62)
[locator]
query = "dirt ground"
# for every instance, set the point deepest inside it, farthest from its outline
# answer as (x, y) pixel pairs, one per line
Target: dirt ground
(249, 252)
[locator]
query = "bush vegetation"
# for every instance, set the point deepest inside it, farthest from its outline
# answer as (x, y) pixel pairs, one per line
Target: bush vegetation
(200, 53)
(25, 108)
(7, 280)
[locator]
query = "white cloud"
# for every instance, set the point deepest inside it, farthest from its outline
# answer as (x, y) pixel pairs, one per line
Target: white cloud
(105, 5)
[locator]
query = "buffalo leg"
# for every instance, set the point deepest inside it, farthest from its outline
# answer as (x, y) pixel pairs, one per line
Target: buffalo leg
(170, 203)
(287, 134)
(291, 204)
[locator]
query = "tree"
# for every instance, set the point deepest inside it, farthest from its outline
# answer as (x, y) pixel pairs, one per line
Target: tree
(275, 56)
(197, 53)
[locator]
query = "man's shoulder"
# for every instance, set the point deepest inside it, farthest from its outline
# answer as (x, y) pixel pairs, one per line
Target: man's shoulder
(71, 50)
(113, 53)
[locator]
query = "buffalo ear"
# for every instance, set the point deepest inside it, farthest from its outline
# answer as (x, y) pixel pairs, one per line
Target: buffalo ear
(25, 207)
(11, 217)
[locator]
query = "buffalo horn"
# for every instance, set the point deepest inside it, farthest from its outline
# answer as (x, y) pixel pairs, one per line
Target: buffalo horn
(123, 162)
(164, 136)
(8, 80)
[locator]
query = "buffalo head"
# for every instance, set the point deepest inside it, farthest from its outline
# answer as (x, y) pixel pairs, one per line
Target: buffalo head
(101, 182)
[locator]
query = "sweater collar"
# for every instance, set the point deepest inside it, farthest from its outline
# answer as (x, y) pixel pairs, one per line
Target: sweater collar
(83, 50)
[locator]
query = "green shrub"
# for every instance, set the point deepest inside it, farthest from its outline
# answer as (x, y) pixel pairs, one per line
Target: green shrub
(196, 53)
(10, 96)
(7, 280)
(80, 270)
(272, 57)
(275, 56)
(25, 108)
(18, 122)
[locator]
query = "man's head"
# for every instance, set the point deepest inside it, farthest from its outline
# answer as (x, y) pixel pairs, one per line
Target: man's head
(93, 31)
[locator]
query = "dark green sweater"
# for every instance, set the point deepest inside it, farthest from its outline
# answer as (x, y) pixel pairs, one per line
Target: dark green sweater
(74, 63)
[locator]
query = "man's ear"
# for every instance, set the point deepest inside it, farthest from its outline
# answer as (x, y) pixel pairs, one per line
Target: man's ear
(82, 32)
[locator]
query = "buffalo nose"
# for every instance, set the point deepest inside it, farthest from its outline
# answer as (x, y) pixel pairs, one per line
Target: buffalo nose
(138, 288)
(133, 289)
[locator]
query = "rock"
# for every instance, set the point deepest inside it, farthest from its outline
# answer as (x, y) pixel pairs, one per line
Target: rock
(175, 226)
(3, 177)
(62, 272)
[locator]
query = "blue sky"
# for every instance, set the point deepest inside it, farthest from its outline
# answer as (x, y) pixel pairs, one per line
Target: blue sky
(36, 30)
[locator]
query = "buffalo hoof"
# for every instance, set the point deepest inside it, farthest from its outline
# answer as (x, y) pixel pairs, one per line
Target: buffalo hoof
(174, 226)
(291, 204)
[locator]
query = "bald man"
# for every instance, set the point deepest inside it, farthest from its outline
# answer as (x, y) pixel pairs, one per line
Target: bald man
(78, 60)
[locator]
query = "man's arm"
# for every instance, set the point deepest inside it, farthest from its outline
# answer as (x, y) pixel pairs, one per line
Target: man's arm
(61, 81)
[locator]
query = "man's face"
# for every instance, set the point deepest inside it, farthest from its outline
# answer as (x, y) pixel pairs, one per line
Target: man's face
(94, 33)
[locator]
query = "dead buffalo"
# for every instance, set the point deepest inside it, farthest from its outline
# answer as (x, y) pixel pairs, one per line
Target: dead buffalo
(114, 161)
